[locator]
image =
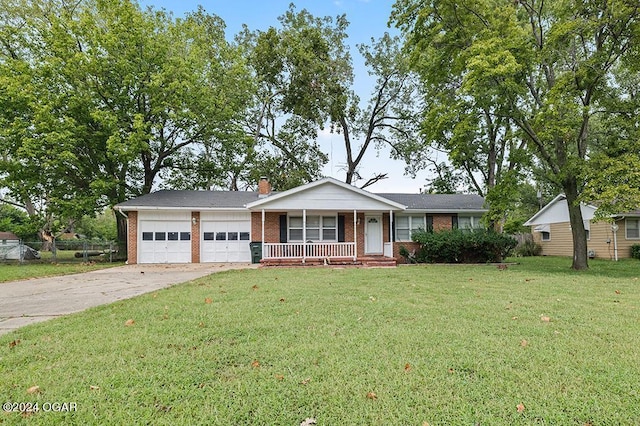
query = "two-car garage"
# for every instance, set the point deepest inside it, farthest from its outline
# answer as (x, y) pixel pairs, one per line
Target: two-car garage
(166, 237)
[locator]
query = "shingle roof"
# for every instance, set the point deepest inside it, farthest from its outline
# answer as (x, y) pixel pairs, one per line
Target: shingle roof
(199, 199)
(438, 202)
(8, 236)
(238, 199)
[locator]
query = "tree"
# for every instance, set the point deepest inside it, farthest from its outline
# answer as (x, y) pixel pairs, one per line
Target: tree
(101, 99)
(299, 72)
(548, 67)
(390, 116)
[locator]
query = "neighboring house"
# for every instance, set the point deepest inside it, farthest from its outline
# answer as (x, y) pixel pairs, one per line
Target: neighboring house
(8, 238)
(606, 240)
(326, 221)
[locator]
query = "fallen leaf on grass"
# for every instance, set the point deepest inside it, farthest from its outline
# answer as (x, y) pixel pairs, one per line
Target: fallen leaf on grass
(14, 343)
(33, 389)
(544, 318)
(92, 387)
(255, 363)
(617, 291)
(282, 299)
(129, 322)
(279, 377)
(200, 324)
(208, 300)
(524, 343)
(255, 287)
(305, 381)
(372, 395)
(407, 367)
(308, 422)
(520, 408)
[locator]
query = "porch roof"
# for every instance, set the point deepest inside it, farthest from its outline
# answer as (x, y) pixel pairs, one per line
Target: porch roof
(326, 194)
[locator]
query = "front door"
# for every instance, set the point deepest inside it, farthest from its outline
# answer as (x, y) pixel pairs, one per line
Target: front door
(373, 234)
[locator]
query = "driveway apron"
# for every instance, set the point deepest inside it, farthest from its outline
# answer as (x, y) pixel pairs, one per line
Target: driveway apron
(29, 301)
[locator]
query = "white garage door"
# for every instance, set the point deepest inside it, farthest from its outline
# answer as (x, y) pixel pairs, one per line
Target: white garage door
(164, 241)
(225, 238)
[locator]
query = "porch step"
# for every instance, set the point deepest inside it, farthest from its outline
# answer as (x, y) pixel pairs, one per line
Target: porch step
(367, 261)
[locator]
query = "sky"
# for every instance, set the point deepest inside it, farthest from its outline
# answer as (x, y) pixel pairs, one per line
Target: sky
(367, 18)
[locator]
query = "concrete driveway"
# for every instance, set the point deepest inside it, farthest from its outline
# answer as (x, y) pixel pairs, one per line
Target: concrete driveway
(30, 301)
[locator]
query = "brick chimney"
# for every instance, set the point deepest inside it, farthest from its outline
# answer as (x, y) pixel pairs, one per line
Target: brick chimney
(264, 187)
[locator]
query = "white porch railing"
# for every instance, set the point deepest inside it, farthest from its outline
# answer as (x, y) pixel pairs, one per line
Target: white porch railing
(308, 250)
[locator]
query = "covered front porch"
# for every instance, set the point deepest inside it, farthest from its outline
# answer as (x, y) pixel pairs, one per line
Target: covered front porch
(342, 225)
(327, 237)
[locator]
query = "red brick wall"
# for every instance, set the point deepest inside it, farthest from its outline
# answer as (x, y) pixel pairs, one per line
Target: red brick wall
(195, 237)
(441, 222)
(132, 238)
(271, 226)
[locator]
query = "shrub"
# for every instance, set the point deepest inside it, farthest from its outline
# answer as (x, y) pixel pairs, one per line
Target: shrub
(528, 248)
(463, 246)
(635, 251)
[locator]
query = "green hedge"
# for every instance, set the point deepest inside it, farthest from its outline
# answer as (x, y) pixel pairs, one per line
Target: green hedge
(635, 251)
(463, 246)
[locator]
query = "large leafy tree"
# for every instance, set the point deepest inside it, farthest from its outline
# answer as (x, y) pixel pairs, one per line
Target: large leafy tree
(548, 67)
(101, 98)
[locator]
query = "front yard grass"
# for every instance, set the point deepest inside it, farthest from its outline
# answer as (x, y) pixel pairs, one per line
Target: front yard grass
(37, 269)
(535, 343)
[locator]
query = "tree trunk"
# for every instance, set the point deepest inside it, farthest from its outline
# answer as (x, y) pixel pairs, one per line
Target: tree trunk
(577, 226)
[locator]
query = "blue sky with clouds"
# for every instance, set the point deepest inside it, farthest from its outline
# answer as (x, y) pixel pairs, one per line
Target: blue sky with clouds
(367, 18)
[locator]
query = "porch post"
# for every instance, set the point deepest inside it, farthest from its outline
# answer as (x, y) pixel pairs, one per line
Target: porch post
(262, 237)
(304, 235)
(355, 236)
(391, 227)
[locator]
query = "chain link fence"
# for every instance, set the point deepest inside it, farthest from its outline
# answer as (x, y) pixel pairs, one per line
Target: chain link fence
(59, 251)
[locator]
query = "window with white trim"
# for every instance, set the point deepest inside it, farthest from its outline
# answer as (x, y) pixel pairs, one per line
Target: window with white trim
(319, 228)
(632, 229)
(545, 236)
(406, 225)
(469, 222)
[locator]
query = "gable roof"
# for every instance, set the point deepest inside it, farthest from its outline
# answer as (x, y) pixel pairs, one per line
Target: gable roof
(328, 192)
(557, 211)
(182, 199)
(439, 203)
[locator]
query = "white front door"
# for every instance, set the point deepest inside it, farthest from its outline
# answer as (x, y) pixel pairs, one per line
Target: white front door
(373, 234)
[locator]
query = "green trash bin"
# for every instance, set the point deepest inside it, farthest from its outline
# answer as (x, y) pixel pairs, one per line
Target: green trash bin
(256, 252)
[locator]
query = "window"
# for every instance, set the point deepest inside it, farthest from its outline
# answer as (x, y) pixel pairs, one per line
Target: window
(407, 225)
(233, 236)
(209, 236)
(221, 236)
(147, 236)
(160, 236)
(633, 229)
(469, 222)
(244, 236)
(172, 236)
(329, 228)
(185, 236)
(319, 228)
(546, 235)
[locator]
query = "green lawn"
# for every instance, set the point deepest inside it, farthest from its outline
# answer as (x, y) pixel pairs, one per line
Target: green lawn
(36, 269)
(458, 345)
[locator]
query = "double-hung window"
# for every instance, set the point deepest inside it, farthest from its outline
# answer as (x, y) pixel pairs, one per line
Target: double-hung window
(469, 222)
(318, 228)
(633, 229)
(407, 225)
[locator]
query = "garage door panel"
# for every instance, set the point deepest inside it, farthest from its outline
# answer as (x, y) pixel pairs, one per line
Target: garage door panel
(225, 241)
(164, 241)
